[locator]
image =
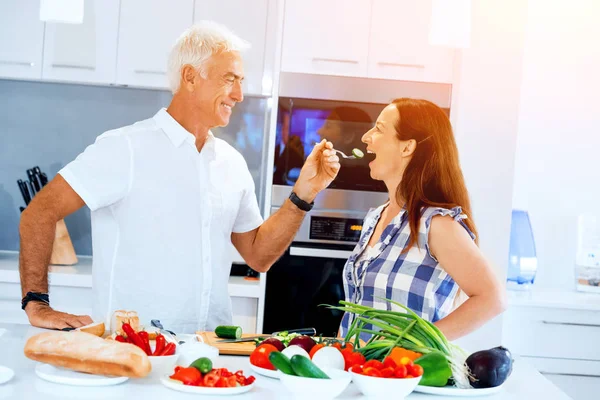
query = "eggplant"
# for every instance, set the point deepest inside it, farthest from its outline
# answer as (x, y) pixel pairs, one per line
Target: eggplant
(490, 368)
(304, 341)
(275, 342)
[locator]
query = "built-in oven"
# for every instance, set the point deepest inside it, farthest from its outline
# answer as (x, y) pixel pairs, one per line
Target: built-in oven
(341, 110)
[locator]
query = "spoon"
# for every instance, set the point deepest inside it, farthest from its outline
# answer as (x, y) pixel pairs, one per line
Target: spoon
(356, 153)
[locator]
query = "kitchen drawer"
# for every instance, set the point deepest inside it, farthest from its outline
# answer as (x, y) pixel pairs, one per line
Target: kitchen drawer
(552, 333)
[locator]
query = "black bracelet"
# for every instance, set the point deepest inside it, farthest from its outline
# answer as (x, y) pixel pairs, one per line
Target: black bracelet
(35, 296)
(301, 204)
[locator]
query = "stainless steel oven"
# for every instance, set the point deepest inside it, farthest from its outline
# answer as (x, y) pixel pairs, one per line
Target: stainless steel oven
(340, 109)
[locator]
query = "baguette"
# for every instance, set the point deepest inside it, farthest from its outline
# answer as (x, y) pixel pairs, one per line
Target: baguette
(84, 352)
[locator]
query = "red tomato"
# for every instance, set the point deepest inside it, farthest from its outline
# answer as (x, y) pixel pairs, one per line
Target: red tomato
(315, 348)
(371, 371)
(189, 376)
(357, 358)
(389, 362)
(415, 370)
(357, 369)
(400, 371)
(337, 345)
(348, 346)
(374, 363)
(347, 353)
(387, 372)
(211, 379)
(406, 361)
(260, 356)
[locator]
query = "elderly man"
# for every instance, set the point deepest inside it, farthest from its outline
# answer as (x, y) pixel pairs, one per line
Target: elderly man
(167, 198)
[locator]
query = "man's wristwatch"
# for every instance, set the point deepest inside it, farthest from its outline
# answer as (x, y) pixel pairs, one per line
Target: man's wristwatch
(35, 296)
(301, 204)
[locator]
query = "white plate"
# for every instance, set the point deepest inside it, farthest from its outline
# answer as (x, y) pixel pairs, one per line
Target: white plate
(265, 372)
(69, 377)
(454, 391)
(6, 374)
(213, 391)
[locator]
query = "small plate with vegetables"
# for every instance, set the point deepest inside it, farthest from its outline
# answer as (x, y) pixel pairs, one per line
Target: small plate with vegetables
(446, 368)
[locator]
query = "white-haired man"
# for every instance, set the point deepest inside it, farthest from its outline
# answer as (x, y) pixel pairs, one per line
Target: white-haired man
(167, 198)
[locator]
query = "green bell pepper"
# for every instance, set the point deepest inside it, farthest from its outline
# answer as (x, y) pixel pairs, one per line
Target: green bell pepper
(436, 369)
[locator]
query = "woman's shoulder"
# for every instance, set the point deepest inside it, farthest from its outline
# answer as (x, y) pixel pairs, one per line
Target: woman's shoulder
(456, 213)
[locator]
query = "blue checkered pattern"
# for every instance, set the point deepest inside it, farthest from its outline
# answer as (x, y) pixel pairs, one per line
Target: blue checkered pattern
(414, 278)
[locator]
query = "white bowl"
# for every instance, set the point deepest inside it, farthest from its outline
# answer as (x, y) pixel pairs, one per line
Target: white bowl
(375, 386)
(163, 365)
(317, 388)
(191, 351)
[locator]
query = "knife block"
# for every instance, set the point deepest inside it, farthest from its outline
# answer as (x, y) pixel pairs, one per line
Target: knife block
(63, 252)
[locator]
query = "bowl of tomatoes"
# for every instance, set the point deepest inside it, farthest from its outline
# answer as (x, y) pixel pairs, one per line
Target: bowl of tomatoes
(376, 378)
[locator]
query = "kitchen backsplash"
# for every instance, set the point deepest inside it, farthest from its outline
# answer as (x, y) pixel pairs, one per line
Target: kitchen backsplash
(48, 125)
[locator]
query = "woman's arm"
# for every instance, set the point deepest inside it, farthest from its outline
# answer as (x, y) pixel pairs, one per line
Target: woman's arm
(460, 257)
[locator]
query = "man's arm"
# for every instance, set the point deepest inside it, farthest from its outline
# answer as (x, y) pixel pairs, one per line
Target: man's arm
(37, 229)
(262, 246)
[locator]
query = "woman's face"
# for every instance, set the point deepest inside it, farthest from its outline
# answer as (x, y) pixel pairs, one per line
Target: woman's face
(381, 140)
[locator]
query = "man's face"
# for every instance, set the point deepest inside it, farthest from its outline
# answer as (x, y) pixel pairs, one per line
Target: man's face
(216, 95)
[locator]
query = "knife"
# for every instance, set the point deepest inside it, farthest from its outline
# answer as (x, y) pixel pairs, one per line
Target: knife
(22, 189)
(303, 331)
(33, 179)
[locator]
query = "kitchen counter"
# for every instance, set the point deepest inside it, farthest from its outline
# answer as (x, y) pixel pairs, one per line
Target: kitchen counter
(80, 275)
(524, 383)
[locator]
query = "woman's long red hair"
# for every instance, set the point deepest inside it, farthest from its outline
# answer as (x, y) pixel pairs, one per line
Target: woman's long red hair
(433, 177)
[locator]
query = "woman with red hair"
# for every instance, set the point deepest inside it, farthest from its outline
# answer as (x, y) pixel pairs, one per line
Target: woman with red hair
(420, 248)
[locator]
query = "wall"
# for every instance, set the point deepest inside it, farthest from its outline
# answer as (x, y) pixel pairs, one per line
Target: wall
(557, 172)
(49, 124)
(484, 114)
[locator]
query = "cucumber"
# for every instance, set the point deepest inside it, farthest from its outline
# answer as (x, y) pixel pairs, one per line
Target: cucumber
(228, 332)
(358, 153)
(281, 362)
(302, 366)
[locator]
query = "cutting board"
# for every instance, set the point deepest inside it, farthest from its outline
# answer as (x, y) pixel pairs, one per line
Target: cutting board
(236, 349)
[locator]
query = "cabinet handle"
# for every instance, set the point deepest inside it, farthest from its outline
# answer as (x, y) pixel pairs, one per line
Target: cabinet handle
(571, 324)
(337, 60)
(392, 64)
(22, 63)
(73, 66)
(149, 71)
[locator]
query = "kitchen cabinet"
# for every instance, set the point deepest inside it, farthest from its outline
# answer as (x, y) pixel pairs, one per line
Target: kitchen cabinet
(399, 43)
(22, 35)
(326, 37)
(147, 31)
(386, 39)
(557, 332)
(84, 52)
(247, 19)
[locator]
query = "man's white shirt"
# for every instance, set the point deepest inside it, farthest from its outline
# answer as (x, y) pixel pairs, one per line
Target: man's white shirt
(162, 218)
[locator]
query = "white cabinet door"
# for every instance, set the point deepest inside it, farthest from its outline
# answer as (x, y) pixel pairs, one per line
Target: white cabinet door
(399, 45)
(147, 31)
(21, 39)
(328, 37)
(84, 52)
(248, 19)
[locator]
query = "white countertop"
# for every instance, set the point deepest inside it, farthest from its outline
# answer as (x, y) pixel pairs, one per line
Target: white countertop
(524, 383)
(549, 298)
(80, 275)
